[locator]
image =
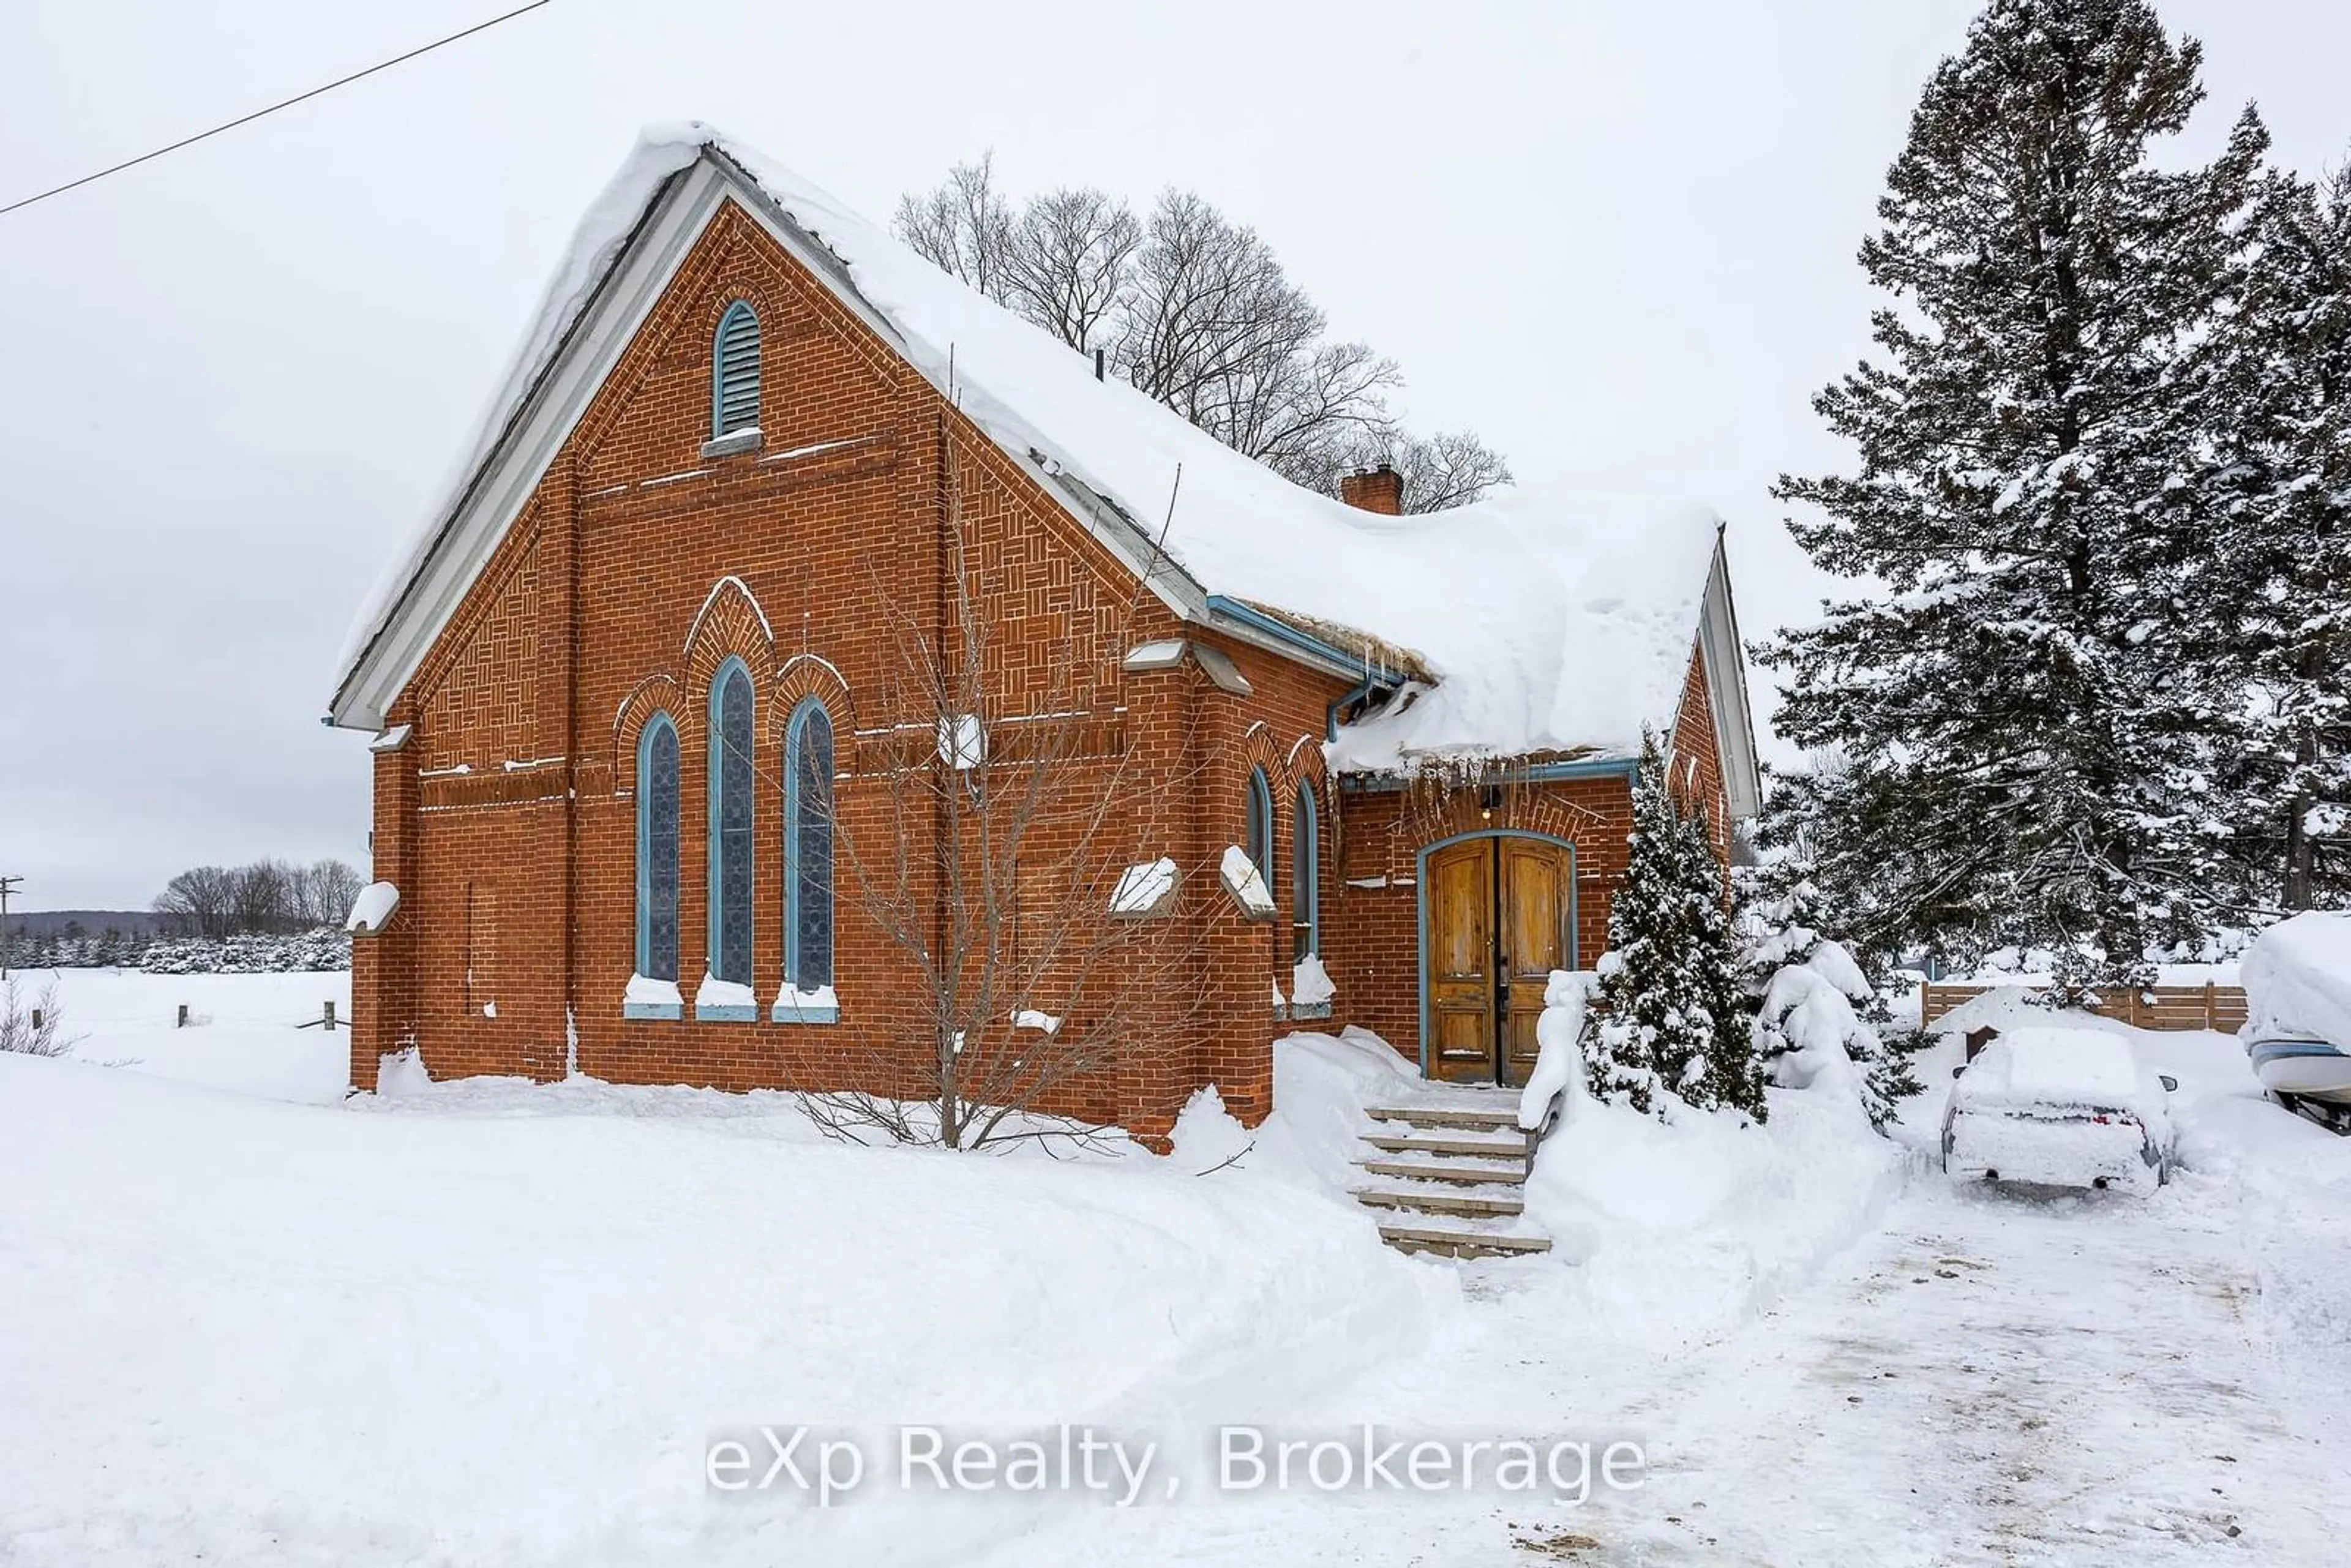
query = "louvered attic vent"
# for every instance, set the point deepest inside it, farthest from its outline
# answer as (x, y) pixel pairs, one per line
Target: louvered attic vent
(736, 374)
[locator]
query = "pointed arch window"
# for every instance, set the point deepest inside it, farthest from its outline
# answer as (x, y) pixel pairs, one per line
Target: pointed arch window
(807, 864)
(1257, 825)
(732, 796)
(735, 371)
(1305, 892)
(657, 848)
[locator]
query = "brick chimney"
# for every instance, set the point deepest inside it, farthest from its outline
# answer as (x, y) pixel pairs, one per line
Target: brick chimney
(1379, 489)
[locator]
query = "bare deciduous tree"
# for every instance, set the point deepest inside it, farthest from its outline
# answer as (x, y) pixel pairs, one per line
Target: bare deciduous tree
(327, 890)
(1010, 817)
(1197, 312)
(200, 900)
(261, 897)
(964, 228)
(266, 897)
(1070, 253)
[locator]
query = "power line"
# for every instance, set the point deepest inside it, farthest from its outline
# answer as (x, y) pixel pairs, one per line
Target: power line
(285, 103)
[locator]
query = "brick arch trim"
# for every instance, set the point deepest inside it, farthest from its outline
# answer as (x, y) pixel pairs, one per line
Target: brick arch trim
(1258, 747)
(654, 693)
(1306, 765)
(1259, 750)
(805, 675)
(737, 287)
(1529, 805)
(730, 624)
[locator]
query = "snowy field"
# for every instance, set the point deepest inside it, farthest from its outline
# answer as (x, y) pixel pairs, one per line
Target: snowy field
(487, 1323)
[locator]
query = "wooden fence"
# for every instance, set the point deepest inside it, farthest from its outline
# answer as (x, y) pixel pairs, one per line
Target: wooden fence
(2208, 1006)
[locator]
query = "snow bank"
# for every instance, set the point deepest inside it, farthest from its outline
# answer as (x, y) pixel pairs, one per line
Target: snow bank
(1558, 1047)
(400, 1073)
(1681, 1231)
(1551, 626)
(2298, 980)
(1320, 1085)
(399, 1335)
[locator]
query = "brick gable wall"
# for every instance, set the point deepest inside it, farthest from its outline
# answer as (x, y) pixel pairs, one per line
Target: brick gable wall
(637, 568)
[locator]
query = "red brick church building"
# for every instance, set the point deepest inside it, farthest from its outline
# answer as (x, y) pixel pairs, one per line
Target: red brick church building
(784, 559)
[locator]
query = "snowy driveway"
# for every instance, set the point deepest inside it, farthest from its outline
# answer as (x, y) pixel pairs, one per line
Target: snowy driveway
(1998, 1380)
(1987, 1379)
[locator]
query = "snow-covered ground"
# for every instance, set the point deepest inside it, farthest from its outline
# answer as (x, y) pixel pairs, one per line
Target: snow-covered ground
(494, 1323)
(241, 1032)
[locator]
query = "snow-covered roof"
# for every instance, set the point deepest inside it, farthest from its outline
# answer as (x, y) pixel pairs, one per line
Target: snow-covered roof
(1549, 625)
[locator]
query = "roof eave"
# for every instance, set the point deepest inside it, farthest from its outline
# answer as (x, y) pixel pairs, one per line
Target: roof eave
(356, 704)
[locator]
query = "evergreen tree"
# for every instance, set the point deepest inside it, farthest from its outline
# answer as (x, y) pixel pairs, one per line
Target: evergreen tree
(1781, 916)
(2274, 407)
(1784, 921)
(1891, 1076)
(1668, 1018)
(2029, 740)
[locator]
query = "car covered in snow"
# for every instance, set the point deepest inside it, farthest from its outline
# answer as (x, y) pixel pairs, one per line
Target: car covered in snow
(2060, 1107)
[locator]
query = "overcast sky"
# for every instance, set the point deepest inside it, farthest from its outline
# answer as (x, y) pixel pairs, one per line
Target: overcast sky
(1613, 236)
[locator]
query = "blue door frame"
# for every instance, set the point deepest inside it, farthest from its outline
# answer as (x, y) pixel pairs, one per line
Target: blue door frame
(1420, 900)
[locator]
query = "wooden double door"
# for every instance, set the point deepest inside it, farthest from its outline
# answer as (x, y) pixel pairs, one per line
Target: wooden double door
(1500, 913)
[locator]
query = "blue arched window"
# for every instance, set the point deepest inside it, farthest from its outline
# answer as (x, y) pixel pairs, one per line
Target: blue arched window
(735, 371)
(808, 848)
(1305, 892)
(657, 848)
(732, 795)
(1256, 826)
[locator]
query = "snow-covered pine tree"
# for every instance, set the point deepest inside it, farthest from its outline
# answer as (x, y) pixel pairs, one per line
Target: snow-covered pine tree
(2026, 722)
(1727, 1076)
(2274, 407)
(1780, 919)
(1669, 1013)
(1784, 921)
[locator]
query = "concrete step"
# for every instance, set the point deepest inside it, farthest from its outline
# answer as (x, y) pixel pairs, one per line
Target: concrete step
(1426, 1198)
(1497, 1117)
(1510, 1148)
(1466, 1240)
(1472, 1173)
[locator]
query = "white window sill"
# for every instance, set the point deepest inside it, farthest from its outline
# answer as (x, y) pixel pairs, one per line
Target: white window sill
(652, 1010)
(731, 443)
(783, 1012)
(726, 1012)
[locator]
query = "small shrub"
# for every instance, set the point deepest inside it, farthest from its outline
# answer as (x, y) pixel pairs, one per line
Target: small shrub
(19, 1035)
